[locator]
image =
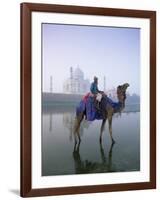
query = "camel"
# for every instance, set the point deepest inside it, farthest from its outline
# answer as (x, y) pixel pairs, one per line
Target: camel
(109, 111)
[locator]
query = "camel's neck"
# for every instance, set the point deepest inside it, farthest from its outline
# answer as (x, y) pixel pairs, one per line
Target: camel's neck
(121, 105)
(121, 99)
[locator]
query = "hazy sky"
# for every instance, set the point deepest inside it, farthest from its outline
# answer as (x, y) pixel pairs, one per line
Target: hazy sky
(101, 51)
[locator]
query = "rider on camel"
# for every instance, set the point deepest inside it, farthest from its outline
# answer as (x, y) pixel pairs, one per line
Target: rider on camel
(96, 92)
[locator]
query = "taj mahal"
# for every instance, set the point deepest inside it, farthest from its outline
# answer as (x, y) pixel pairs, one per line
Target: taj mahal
(76, 83)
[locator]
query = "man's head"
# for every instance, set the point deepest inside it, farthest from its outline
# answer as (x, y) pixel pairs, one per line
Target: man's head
(95, 79)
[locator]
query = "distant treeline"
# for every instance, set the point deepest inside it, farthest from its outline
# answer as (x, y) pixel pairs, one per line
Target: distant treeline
(133, 99)
(49, 98)
(60, 98)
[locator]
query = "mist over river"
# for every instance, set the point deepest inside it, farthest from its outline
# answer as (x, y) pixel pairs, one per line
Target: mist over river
(59, 157)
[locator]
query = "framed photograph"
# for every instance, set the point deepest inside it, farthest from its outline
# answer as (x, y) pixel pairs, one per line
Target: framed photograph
(88, 99)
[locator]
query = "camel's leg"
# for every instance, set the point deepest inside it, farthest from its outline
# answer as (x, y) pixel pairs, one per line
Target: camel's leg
(77, 126)
(75, 144)
(102, 129)
(110, 127)
(78, 133)
(110, 158)
(79, 120)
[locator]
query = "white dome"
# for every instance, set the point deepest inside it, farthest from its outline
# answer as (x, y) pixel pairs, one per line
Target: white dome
(78, 74)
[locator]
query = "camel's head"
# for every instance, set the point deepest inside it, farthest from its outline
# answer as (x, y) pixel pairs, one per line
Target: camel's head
(121, 92)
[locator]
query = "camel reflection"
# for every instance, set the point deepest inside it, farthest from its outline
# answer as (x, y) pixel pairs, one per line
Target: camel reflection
(83, 167)
(69, 122)
(50, 122)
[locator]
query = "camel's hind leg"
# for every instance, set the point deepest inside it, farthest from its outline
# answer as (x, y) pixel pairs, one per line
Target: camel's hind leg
(78, 121)
(102, 129)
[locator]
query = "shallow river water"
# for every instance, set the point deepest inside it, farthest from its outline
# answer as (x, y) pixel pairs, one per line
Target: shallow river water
(59, 157)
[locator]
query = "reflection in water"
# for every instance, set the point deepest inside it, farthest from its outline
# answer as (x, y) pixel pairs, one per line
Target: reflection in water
(69, 122)
(50, 122)
(89, 156)
(86, 166)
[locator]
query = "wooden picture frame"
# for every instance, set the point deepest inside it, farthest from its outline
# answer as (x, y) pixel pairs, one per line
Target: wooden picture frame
(26, 95)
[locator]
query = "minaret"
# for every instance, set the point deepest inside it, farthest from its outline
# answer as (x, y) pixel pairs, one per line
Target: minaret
(51, 84)
(104, 84)
(71, 78)
(71, 73)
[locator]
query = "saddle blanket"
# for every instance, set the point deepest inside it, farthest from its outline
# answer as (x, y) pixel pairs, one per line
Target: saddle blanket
(87, 105)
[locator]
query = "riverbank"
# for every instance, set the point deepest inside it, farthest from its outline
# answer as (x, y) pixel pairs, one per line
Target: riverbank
(56, 102)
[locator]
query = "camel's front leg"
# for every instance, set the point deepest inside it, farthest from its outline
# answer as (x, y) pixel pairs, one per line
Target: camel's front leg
(110, 127)
(102, 129)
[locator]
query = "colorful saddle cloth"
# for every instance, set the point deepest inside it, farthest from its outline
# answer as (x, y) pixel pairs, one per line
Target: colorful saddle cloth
(87, 105)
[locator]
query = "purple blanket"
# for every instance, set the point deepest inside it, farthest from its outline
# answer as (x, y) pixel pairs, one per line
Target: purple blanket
(91, 112)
